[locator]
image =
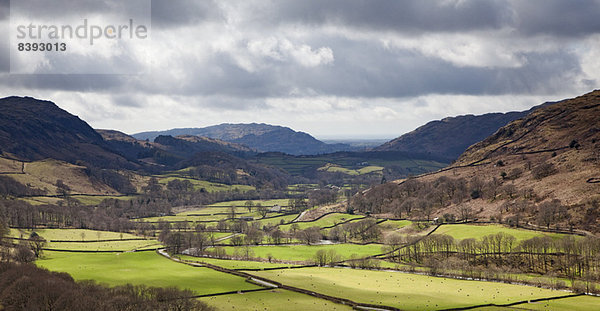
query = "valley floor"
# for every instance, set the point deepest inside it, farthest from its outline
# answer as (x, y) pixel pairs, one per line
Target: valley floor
(291, 281)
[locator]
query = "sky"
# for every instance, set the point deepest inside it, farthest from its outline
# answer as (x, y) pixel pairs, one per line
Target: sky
(332, 68)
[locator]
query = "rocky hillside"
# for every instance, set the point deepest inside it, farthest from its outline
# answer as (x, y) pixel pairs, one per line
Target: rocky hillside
(555, 151)
(448, 138)
(32, 129)
(540, 170)
(260, 137)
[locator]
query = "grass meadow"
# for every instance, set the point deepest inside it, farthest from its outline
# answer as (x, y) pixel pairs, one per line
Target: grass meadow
(466, 231)
(148, 268)
(272, 300)
(405, 291)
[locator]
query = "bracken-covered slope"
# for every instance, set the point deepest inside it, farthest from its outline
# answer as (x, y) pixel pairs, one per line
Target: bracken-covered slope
(551, 129)
(553, 153)
(540, 170)
(448, 138)
(32, 129)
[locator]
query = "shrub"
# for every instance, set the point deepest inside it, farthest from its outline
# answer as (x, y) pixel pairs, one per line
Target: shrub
(543, 170)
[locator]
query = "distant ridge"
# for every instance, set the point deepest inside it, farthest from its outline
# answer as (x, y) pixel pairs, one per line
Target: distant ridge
(448, 138)
(261, 137)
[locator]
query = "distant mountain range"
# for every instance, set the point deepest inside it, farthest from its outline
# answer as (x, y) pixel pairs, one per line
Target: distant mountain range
(448, 138)
(259, 137)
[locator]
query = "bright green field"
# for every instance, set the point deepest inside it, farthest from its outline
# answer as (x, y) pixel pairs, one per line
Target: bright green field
(276, 299)
(280, 202)
(465, 231)
(193, 216)
(402, 290)
(581, 303)
(74, 234)
(208, 186)
(83, 199)
(236, 264)
(348, 171)
(307, 252)
(394, 224)
(329, 220)
(277, 220)
(148, 268)
(122, 246)
(214, 210)
(95, 200)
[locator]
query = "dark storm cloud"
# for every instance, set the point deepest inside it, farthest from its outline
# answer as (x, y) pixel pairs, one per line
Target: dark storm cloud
(359, 68)
(4, 9)
(409, 16)
(557, 17)
(4, 36)
(369, 71)
(82, 8)
(169, 13)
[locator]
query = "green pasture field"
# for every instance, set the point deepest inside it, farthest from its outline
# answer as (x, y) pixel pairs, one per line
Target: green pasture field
(218, 235)
(236, 264)
(121, 246)
(216, 214)
(273, 300)
(95, 200)
(276, 220)
(466, 231)
(41, 200)
(179, 218)
(394, 224)
(305, 253)
(349, 171)
(580, 303)
(242, 203)
(326, 221)
(208, 186)
(296, 187)
(214, 210)
(73, 234)
(83, 199)
(404, 291)
(147, 268)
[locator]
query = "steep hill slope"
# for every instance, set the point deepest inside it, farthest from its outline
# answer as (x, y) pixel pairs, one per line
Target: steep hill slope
(261, 137)
(448, 138)
(540, 170)
(32, 129)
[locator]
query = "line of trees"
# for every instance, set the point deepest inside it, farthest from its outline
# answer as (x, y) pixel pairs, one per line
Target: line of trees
(422, 199)
(569, 257)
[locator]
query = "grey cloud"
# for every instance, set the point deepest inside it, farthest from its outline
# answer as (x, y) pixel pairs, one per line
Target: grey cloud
(404, 16)
(4, 36)
(362, 68)
(64, 9)
(557, 17)
(369, 71)
(169, 13)
(127, 100)
(4, 9)
(530, 17)
(78, 83)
